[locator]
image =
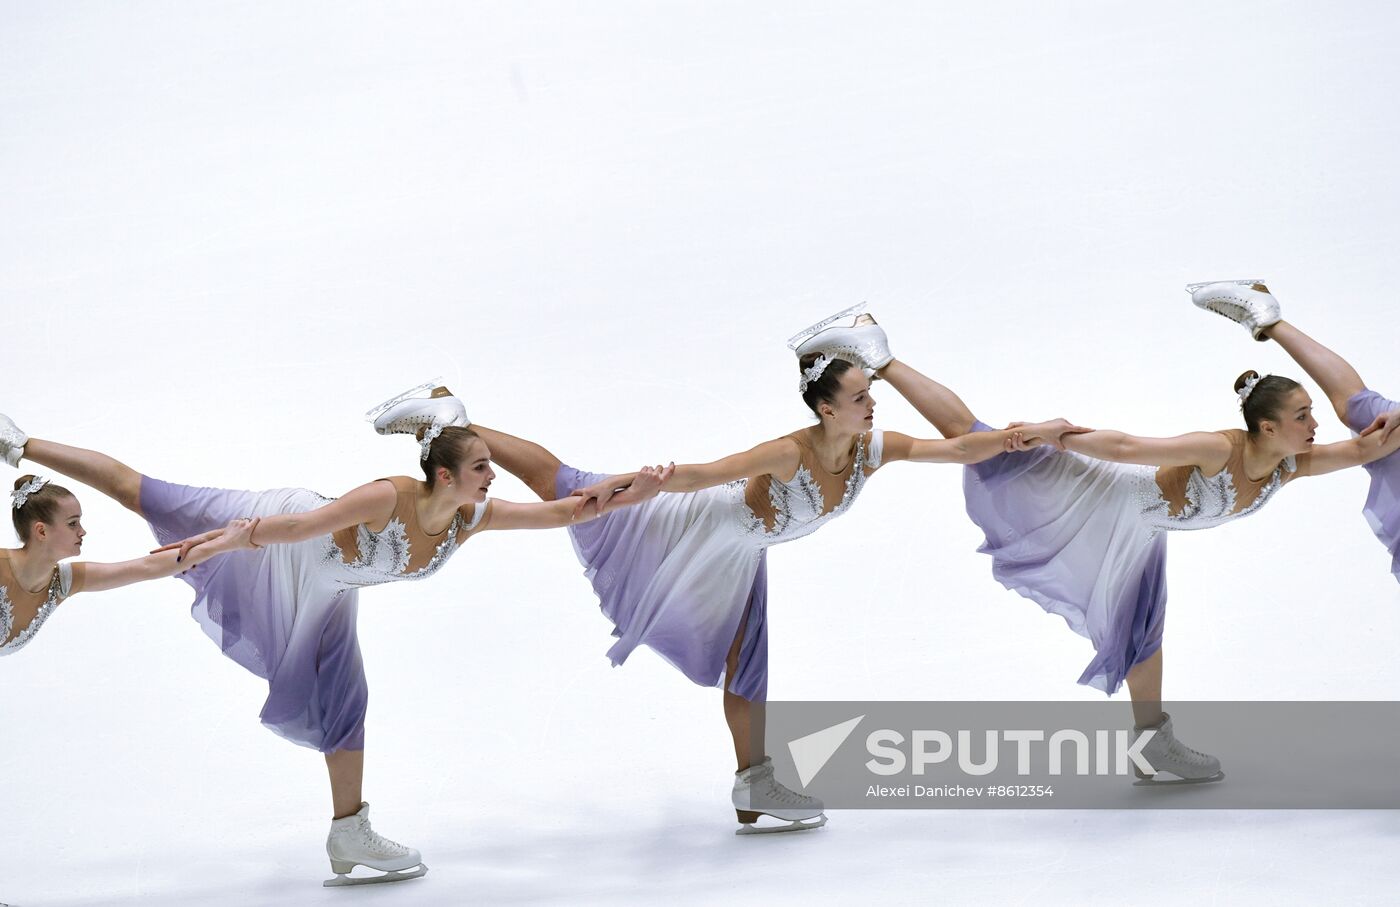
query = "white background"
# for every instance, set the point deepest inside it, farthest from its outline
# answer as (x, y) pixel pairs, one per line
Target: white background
(230, 228)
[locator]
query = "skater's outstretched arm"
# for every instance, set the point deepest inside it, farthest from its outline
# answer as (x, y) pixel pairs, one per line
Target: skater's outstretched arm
(1373, 444)
(372, 503)
(1207, 450)
(975, 447)
(565, 511)
(777, 458)
(100, 577)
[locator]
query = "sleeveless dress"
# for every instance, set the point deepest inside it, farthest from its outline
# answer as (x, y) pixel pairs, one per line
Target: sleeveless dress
(22, 612)
(1086, 538)
(681, 571)
(1382, 507)
(287, 612)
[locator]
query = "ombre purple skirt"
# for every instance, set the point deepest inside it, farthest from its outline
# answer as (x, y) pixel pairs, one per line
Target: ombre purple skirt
(1066, 531)
(1382, 507)
(672, 573)
(274, 611)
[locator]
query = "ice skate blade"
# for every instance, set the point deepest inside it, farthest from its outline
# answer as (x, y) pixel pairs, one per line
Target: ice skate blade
(382, 408)
(1193, 287)
(1149, 782)
(796, 339)
(796, 825)
(341, 880)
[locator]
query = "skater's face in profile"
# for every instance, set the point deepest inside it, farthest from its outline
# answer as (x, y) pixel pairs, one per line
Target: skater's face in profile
(64, 536)
(475, 474)
(1293, 425)
(853, 410)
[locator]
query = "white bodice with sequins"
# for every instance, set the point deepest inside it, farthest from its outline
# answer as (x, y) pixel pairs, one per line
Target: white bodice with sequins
(384, 555)
(798, 506)
(58, 590)
(1210, 500)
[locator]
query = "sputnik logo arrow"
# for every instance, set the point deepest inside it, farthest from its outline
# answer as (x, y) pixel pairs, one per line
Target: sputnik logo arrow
(811, 753)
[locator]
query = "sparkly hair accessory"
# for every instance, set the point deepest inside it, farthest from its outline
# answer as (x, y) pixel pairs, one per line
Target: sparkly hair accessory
(1248, 387)
(22, 493)
(429, 437)
(813, 373)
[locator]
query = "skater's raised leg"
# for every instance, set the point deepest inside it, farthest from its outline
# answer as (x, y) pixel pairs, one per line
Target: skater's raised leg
(113, 478)
(936, 403)
(526, 460)
(1338, 380)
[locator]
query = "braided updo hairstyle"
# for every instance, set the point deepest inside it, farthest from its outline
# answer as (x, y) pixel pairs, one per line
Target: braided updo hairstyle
(40, 507)
(826, 387)
(1266, 400)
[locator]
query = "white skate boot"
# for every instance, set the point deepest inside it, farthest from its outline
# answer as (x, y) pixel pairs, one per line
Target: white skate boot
(12, 441)
(407, 413)
(757, 792)
(1170, 756)
(1246, 302)
(353, 843)
(862, 340)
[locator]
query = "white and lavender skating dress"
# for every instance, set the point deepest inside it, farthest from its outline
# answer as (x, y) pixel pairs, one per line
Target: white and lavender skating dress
(1086, 538)
(287, 612)
(1382, 507)
(682, 571)
(22, 613)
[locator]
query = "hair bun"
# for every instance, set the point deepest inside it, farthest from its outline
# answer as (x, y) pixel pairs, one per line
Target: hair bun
(23, 481)
(1247, 375)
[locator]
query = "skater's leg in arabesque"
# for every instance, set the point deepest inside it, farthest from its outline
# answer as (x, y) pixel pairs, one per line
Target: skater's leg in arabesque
(934, 402)
(1338, 380)
(115, 479)
(526, 460)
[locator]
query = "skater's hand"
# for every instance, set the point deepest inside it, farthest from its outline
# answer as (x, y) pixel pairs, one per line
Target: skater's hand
(237, 535)
(601, 492)
(1385, 423)
(186, 545)
(646, 485)
(1028, 435)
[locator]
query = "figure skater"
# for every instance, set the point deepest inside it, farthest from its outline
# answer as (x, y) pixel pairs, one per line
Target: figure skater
(34, 580)
(1250, 303)
(286, 611)
(685, 572)
(1082, 531)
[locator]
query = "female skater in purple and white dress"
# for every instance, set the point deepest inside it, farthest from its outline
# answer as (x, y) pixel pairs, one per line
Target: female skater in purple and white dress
(1082, 531)
(286, 611)
(35, 579)
(684, 573)
(1250, 303)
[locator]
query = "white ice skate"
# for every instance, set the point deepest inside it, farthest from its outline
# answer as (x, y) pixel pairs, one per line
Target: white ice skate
(861, 340)
(1170, 756)
(758, 793)
(12, 441)
(353, 843)
(407, 412)
(1246, 302)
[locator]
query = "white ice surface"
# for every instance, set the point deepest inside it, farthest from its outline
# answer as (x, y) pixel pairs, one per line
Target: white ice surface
(230, 228)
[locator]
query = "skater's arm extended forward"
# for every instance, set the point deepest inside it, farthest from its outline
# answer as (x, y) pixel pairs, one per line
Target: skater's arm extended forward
(372, 503)
(779, 458)
(1207, 449)
(974, 447)
(1370, 447)
(566, 512)
(232, 537)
